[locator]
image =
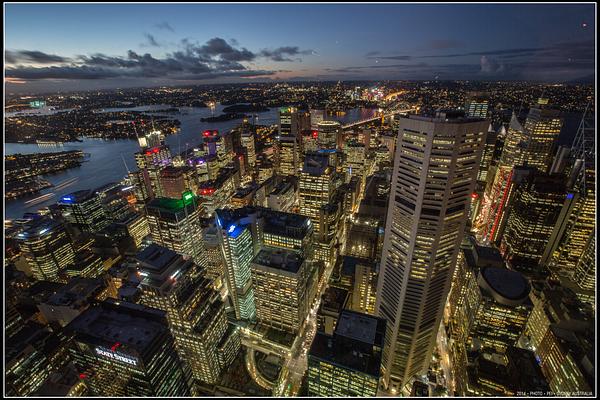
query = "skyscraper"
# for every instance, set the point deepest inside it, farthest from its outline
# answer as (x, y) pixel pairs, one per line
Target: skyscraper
(125, 349)
(47, 248)
(328, 132)
(538, 201)
(435, 170)
(280, 281)
(194, 309)
(348, 362)
(83, 209)
(175, 224)
(238, 249)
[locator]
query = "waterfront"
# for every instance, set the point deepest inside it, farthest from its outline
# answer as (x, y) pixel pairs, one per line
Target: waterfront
(105, 163)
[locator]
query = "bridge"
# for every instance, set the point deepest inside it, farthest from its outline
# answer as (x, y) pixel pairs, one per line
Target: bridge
(386, 114)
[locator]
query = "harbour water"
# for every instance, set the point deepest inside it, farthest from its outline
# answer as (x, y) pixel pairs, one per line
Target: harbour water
(105, 163)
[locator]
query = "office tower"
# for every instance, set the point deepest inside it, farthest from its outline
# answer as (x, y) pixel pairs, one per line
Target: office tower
(280, 281)
(175, 224)
(47, 248)
(243, 232)
(537, 204)
(364, 286)
(328, 132)
(477, 107)
(176, 180)
(194, 309)
(554, 304)
(288, 155)
(125, 349)
(248, 144)
(425, 222)
(585, 271)
(136, 226)
(238, 249)
(487, 155)
(513, 373)
(31, 355)
(83, 209)
(543, 127)
(283, 196)
(113, 197)
(361, 238)
(356, 163)
(72, 299)
(292, 121)
(150, 162)
(348, 362)
(153, 138)
(86, 265)
(315, 188)
(582, 220)
(530, 144)
(212, 257)
(566, 356)
(500, 307)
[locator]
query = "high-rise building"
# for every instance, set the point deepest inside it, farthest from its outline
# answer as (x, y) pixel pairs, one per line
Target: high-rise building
(530, 144)
(328, 133)
(487, 155)
(194, 309)
(31, 355)
(315, 187)
(151, 162)
(280, 281)
(566, 356)
(176, 180)
(347, 363)
(288, 155)
(243, 232)
(585, 270)
(83, 209)
(537, 204)
(581, 221)
(500, 307)
(238, 249)
(426, 217)
(248, 144)
(47, 248)
(477, 107)
(125, 349)
(175, 224)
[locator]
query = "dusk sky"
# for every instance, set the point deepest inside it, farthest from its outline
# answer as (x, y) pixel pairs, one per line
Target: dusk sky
(79, 47)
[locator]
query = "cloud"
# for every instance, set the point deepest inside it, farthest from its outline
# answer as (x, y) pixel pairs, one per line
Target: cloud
(398, 58)
(151, 41)
(212, 59)
(442, 44)
(282, 53)
(36, 57)
(490, 65)
(165, 26)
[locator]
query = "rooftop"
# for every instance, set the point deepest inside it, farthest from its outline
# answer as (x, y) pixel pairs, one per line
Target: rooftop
(116, 321)
(39, 227)
(505, 286)
(281, 259)
(76, 197)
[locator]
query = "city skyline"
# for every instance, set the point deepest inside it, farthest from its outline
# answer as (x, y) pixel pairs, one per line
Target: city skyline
(103, 46)
(305, 200)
